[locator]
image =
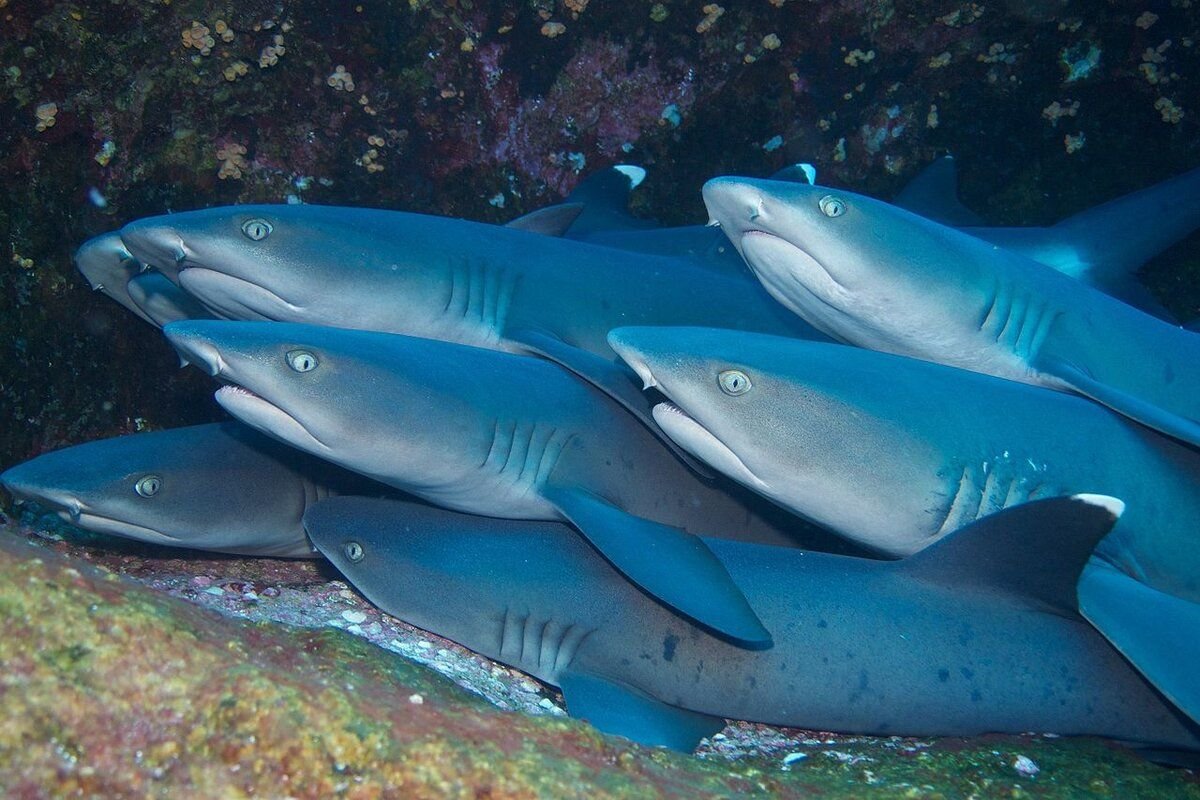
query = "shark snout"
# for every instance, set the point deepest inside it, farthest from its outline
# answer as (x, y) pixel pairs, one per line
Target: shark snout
(194, 346)
(737, 204)
(156, 242)
(627, 344)
(29, 482)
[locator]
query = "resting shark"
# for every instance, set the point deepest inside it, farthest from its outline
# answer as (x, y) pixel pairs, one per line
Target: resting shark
(896, 453)
(107, 265)
(220, 487)
(485, 285)
(870, 274)
(110, 268)
(1092, 246)
(976, 634)
(490, 433)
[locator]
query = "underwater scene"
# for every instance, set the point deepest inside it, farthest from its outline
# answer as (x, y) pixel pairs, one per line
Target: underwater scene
(576, 398)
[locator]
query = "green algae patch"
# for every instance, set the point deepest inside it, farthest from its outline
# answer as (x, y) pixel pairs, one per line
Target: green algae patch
(110, 689)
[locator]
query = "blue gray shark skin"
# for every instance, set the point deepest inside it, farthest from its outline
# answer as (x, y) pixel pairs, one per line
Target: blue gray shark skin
(221, 487)
(448, 279)
(110, 268)
(162, 301)
(1102, 246)
(872, 275)
(896, 453)
(975, 635)
(490, 433)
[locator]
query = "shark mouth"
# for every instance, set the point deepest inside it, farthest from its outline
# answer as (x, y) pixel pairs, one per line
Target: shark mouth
(267, 417)
(116, 527)
(236, 298)
(697, 440)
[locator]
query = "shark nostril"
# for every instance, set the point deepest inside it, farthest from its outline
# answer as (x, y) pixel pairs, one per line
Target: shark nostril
(756, 210)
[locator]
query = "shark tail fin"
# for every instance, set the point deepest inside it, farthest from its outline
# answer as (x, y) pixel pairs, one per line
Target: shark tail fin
(934, 195)
(1119, 236)
(1035, 550)
(1158, 633)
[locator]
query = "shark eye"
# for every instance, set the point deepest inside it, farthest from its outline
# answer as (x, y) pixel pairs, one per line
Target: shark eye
(353, 551)
(301, 360)
(832, 206)
(734, 382)
(257, 229)
(148, 486)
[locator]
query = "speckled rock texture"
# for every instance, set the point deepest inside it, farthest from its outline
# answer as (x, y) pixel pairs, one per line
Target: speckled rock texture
(112, 685)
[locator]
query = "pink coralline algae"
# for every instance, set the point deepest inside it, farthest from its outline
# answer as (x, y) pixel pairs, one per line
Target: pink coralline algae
(599, 104)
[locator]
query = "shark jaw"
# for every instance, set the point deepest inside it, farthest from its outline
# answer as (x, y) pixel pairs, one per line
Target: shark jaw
(264, 416)
(697, 440)
(236, 298)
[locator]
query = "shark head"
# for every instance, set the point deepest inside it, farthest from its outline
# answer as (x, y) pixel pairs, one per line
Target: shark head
(211, 487)
(405, 411)
(108, 267)
(856, 268)
(799, 422)
(299, 263)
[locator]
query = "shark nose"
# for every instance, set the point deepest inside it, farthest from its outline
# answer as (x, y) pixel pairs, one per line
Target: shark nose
(155, 244)
(756, 209)
(193, 348)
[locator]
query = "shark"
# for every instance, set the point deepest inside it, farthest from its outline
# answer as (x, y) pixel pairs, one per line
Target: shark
(514, 289)
(492, 433)
(109, 267)
(897, 453)
(870, 274)
(1084, 246)
(976, 634)
(222, 487)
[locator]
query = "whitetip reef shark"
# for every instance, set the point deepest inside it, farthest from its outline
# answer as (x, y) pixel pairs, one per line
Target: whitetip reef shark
(1093, 246)
(976, 634)
(504, 288)
(222, 487)
(896, 453)
(870, 274)
(491, 433)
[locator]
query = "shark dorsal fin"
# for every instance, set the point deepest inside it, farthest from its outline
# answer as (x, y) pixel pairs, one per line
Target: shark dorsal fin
(1036, 550)
(934, 195)
(550, 221)
(797, 173)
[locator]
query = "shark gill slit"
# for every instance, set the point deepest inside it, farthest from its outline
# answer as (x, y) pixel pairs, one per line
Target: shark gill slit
(975, 499)
(550, 647)
(480, 295)
(524, 454)
(1018, 321)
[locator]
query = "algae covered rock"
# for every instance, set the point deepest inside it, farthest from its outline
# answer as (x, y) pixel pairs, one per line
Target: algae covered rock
(110, 687)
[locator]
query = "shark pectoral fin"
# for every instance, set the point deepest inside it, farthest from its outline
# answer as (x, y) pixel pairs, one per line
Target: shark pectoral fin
(549, 221)
(615, 380)
(1137, 409)
(1035, 550)
(668, 563)
(621, 710)
(933, 194)
(1157, 632)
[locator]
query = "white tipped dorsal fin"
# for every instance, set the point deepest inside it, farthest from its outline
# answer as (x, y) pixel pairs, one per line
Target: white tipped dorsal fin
(550, 221)
(635, 174)
(1033, 551)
